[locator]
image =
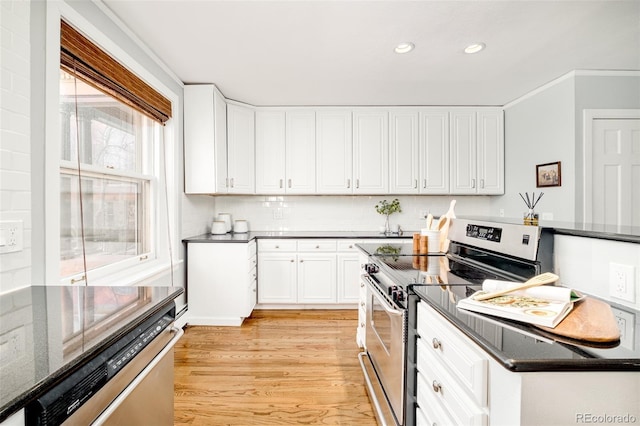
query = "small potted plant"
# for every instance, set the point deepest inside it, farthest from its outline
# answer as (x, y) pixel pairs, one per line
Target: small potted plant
(388, 208)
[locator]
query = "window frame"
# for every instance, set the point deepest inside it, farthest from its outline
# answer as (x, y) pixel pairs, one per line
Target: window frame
(162, 246)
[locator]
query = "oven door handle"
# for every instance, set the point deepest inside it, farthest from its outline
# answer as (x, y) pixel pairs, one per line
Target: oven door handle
(374, 290)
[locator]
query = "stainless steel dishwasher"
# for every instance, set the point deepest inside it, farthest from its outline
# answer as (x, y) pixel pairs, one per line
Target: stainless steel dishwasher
(130, 382)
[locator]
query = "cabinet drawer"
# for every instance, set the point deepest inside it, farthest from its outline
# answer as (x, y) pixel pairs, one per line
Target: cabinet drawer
(347, 245)
(436, 387)
(463, 360)
(277, 245)
(316, 245)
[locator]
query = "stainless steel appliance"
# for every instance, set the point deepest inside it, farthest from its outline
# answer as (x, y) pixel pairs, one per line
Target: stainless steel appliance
(129, 382)
(479, 250)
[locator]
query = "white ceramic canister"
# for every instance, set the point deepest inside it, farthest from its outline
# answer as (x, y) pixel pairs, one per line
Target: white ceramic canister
(226, 218)
(241, 226)
(218, 227)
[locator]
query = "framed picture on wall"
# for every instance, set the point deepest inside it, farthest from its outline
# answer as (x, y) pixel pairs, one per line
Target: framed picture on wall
(548, 174)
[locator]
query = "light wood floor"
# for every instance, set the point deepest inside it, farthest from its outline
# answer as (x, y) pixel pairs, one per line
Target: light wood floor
(279, 367)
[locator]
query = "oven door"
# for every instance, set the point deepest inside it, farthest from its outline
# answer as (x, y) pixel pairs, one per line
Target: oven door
(385, 337)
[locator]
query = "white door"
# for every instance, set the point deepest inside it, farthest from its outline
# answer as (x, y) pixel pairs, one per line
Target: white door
(490, 152)
(434, 152)
(348, 277)
(270, 152)
(301, 152)
(277, 278)
(316, 278)
(404, 161)
(241, 149)
(615, 172)
(371, 151)
(334, 152)
(463, 151)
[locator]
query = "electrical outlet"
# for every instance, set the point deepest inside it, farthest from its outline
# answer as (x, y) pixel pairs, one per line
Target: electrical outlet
(501, 212)
(626, 322)
(277, 213)
(547, 216)
(622, 282)
(10, 236)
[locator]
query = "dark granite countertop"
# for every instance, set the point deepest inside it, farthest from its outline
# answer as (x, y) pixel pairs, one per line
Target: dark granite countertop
(246, 237)
(517, 346)
(52, 331)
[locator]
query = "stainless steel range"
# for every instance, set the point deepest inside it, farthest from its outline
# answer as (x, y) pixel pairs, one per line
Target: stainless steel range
(478, 250)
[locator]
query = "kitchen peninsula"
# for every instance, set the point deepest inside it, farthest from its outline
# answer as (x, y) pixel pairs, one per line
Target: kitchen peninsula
(52, 332)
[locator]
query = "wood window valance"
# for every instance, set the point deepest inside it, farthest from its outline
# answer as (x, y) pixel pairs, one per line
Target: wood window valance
(90, 63)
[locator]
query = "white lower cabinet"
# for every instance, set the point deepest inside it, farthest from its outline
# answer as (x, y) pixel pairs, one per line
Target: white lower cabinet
(221, 282)
(307, 272)
(458, 383)
(452, 373)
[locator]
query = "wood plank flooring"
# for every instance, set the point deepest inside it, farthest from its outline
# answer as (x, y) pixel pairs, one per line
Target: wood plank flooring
(279, 367)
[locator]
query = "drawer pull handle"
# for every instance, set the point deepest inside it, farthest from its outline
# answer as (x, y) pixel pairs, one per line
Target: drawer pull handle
(361, 324)
(361, 285)
(292, 260)
(437, 387)
(436, 343)
(277, 247)
(362, 303)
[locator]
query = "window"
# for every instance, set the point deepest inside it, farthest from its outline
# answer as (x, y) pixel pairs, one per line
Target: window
(109, 141)
(111, 170)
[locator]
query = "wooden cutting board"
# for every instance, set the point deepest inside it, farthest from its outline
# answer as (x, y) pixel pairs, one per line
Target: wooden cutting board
(590, 320)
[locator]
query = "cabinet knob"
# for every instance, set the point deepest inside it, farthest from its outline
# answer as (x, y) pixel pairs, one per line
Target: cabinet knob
(436, 343)
(361, 324)
(361, 285)
(277, 247)
(437, 387)
(362, 303)
(350, 246)
(292, 260)
(318, 247)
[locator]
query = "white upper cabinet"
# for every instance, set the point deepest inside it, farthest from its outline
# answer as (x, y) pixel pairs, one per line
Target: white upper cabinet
(334, 152)
(370, 151)
(477, 151)
(434, 151)
(285, 152)
(490, 151)
(404, 149)
(205, 140)
(240, 149)
(270, 152)
(301, 152)
(419, 151)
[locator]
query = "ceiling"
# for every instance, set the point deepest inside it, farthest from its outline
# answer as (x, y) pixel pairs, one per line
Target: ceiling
(340, 52)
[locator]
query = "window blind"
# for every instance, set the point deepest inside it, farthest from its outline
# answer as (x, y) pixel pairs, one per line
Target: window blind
(87, 61)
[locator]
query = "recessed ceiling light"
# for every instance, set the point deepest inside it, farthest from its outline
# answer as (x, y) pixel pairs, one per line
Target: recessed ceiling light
(474, 48)
(404, 47)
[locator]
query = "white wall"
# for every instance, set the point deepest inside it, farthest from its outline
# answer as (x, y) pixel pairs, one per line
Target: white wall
(15, 149)
(340, 213)
(545, 126)
(583, 264)
(540, 129)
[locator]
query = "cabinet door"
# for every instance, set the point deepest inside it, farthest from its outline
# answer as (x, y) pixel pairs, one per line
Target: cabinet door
(333, 152)
(434, 152)
(301, 152)
(240, 149)
(463, 151)
(404, 160)
(490, 151)
(270, 152)
(316, 278)
(277, 278)
(371, 151)
(348, 278)
(205, 140)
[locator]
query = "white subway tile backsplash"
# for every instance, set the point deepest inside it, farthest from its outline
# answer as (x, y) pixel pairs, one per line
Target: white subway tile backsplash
(15, 141)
